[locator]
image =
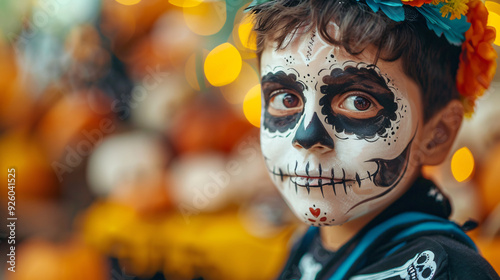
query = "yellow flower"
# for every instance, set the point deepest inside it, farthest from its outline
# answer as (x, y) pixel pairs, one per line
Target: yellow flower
(436, 2)
(457, 8)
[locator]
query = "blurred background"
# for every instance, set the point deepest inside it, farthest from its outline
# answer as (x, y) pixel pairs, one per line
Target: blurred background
(132, 127)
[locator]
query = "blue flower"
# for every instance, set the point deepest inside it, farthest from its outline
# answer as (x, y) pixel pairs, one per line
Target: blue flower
(257, 2)
(453, 30)
(391, 8)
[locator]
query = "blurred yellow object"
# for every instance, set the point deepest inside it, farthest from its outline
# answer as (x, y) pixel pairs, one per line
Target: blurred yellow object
(207, 18)
(494, 17)
(235, 92)
(462, 164)
(244, 44)
(494, 20)
(252, 105)
(119, 231)
(41, 260)
(185, 3)
(223, 65)
(247, 36)
(215, 246)
(128, 2)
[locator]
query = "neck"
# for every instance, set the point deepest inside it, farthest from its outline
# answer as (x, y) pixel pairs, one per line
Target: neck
(333, 237)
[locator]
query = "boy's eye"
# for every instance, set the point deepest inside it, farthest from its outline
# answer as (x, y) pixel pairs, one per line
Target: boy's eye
(284, 103)
(356, 103)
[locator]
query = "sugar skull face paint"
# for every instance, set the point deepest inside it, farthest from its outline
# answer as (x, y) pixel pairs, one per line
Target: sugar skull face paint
(337, 132)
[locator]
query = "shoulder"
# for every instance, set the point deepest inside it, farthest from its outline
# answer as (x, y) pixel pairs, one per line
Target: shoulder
(463, 261)
(428, 257)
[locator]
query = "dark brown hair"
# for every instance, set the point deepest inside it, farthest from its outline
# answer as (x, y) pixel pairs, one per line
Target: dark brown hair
(426, 58)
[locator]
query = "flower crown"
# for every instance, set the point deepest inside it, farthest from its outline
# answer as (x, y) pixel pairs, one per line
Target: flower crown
(462, 22)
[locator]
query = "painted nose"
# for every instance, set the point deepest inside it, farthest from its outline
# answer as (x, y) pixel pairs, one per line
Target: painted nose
(314, 135)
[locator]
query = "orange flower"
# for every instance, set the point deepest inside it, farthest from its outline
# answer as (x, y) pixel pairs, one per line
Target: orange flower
(478, 58)
(416, 3)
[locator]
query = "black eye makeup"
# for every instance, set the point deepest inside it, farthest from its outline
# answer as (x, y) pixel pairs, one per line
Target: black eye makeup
(284, 101)
(358, 101)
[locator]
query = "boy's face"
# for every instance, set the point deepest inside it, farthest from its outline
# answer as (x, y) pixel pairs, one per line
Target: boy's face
(338, 134)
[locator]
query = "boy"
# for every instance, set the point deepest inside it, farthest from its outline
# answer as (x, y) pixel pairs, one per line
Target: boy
(357, 96)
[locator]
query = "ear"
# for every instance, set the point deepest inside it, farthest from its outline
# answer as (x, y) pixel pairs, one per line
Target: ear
(440, 131)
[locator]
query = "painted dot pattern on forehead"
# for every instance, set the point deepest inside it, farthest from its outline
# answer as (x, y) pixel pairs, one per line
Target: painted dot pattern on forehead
(289, 60)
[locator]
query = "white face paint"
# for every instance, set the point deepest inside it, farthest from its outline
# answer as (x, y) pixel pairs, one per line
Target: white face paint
(337, 133)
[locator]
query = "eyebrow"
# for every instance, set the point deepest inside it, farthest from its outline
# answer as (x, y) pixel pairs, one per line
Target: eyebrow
(357, 78)
(281, 78)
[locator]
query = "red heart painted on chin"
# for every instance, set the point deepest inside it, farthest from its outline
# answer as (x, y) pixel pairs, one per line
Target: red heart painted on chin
(315, 212)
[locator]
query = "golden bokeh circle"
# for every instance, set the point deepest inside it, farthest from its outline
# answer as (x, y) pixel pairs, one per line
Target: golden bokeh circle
(223, 65)
(252, 105)
(462, 164)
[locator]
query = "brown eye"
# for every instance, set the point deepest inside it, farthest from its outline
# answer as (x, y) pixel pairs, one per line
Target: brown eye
(356, 103)
(362, 104)
(290, 101)
(284, 103)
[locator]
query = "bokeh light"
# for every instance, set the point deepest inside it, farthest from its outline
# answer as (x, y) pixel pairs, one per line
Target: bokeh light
(207, 18)
(223, 65)
(462, 164)
(235, 92)
(494, 17)
(246, 35)
(242, 20)
(252, 105)
(185, 3)
(128, 2)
